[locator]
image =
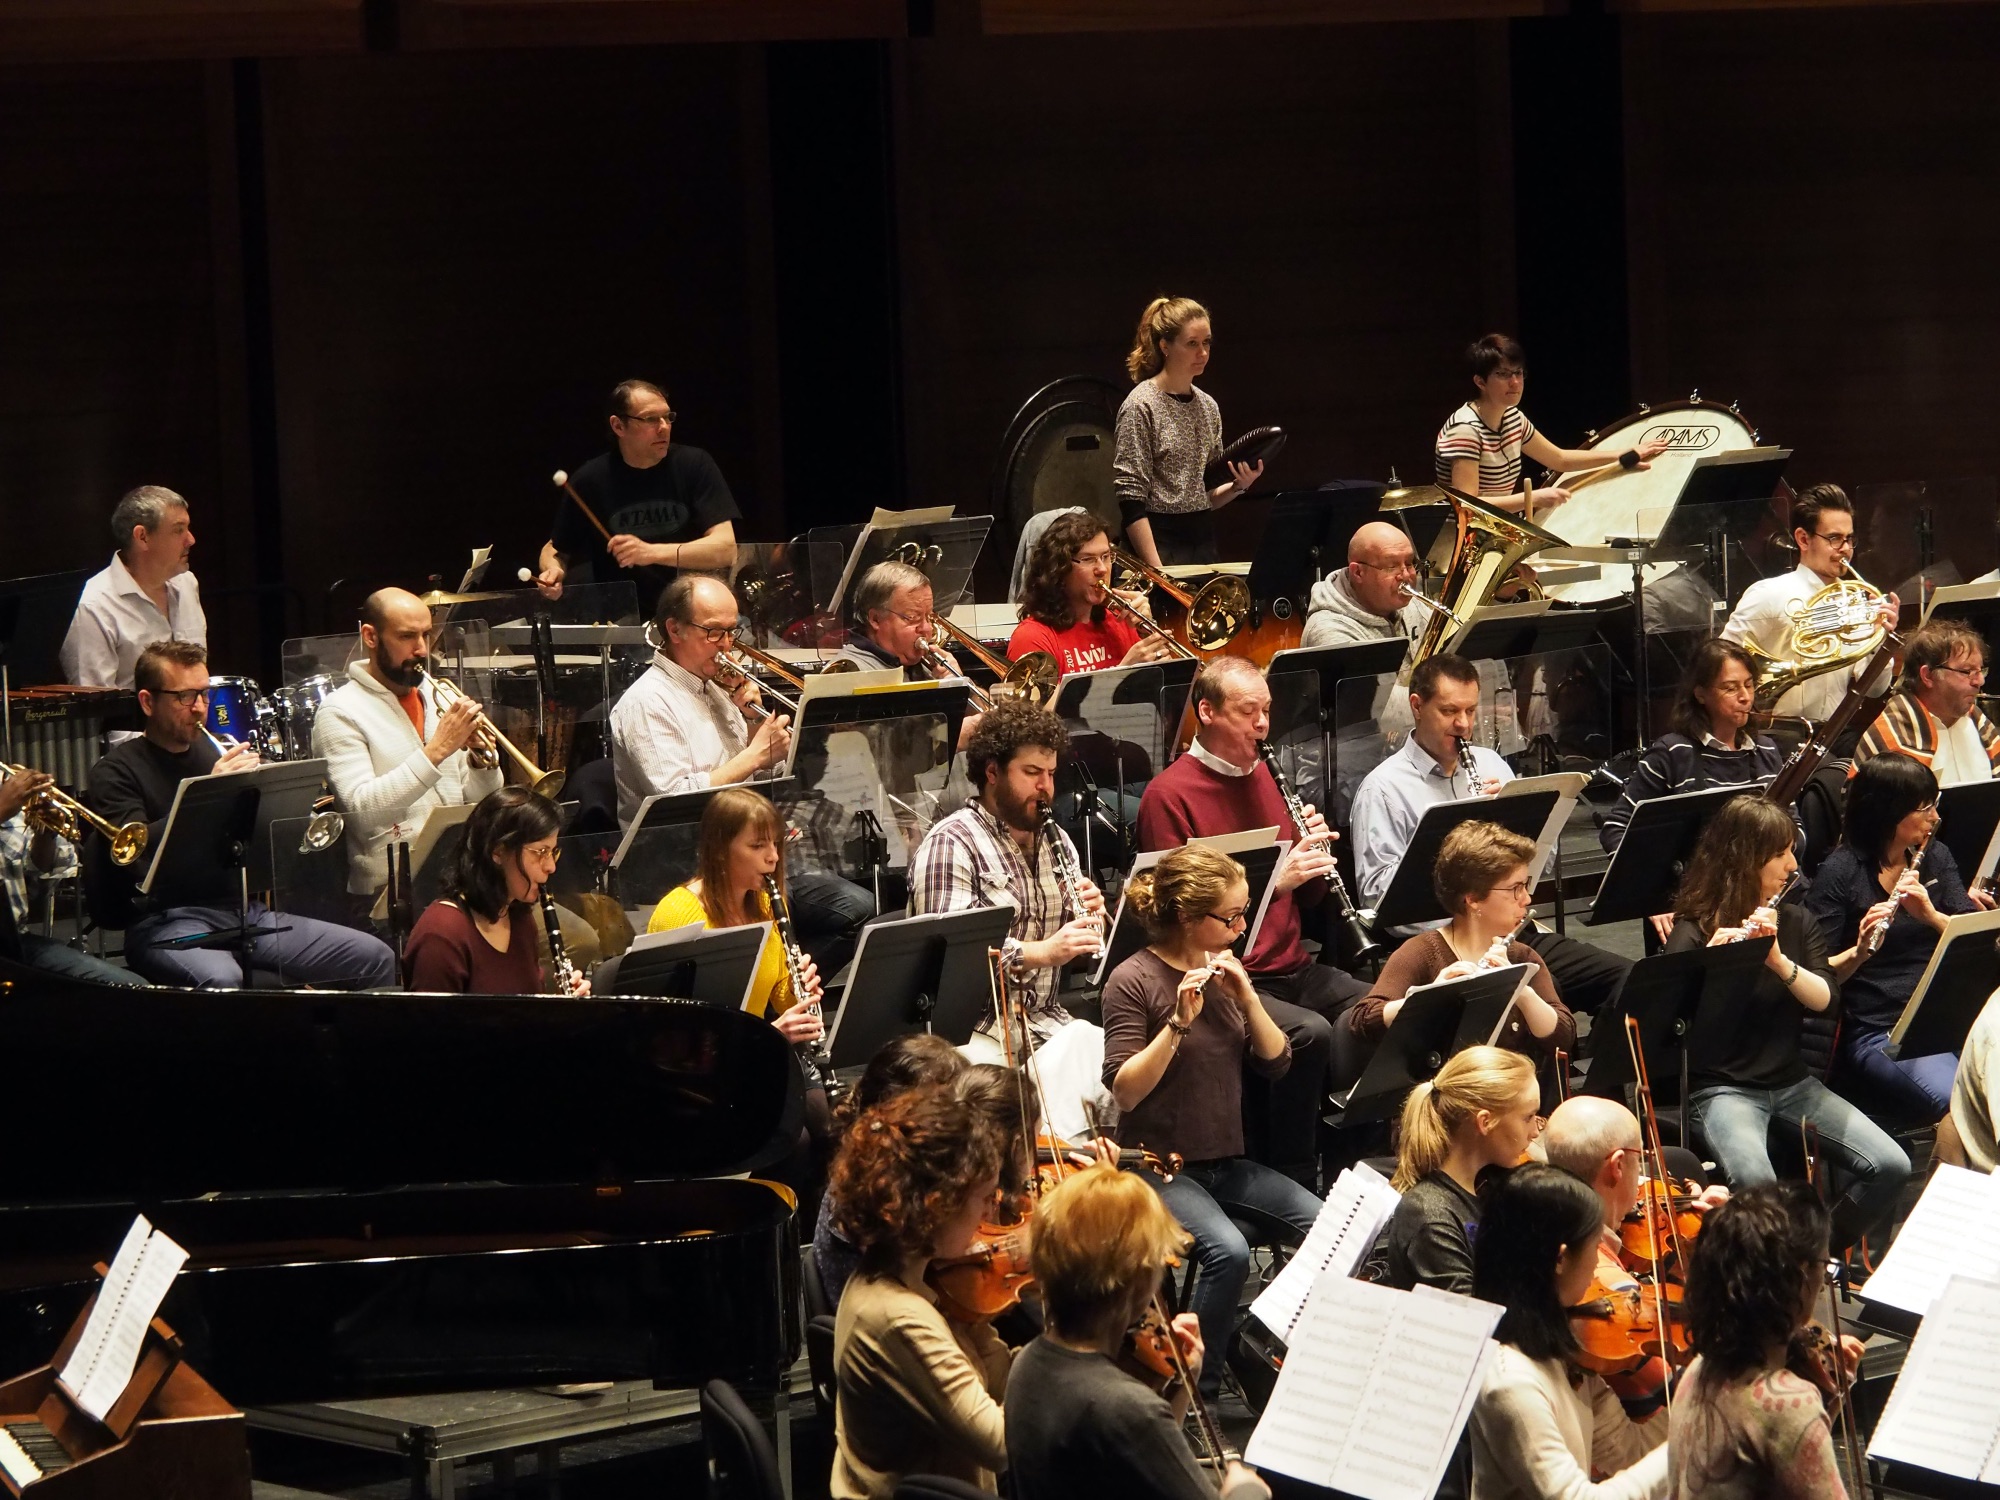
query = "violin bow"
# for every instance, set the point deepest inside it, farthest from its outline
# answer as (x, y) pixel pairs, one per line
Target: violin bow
(1650, 1128)
(1027, 1077)
(1857, 1460)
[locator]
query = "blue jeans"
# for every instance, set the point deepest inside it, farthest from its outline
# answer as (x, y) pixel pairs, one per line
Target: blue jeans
(1201, 1198)
(1912, 1089)
(1736, 1123)
(828, 913)
(52, 957)
(311, 952)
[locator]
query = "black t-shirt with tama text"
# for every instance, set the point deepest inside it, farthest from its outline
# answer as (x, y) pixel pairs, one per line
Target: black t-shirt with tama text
(677, 500)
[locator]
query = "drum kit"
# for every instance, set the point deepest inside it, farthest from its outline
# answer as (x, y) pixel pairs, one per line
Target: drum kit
(279, 725)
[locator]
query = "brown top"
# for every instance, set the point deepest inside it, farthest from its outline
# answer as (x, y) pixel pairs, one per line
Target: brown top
(1427, 955)
(447, 954)
(1197, 1106)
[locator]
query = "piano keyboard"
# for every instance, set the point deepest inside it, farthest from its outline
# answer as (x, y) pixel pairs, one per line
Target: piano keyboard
(28, 1451)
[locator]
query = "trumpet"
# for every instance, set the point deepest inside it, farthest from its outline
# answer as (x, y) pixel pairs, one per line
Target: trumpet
(1033, 677)
(63, 815)
(544, 783)
(1215, 615)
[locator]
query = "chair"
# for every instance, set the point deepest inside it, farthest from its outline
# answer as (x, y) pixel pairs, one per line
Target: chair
(819, 1365)
(818, 1304)
(595, 791)
(937, 1487)
(742, 1464)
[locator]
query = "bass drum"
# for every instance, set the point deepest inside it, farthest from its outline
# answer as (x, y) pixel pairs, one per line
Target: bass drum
(238, 710)
(1614, 502)
(298, 706)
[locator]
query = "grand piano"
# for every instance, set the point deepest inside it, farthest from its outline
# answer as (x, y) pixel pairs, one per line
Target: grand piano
(398, 1193)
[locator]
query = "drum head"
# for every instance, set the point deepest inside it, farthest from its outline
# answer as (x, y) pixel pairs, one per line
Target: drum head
(1614, 502)
(232, 707)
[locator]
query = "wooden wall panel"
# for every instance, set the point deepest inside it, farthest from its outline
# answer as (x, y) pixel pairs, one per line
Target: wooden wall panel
(1814, 201)
(1333, 217)
(176, 28)
(529, 23)
(1013, 17)
(468, 250)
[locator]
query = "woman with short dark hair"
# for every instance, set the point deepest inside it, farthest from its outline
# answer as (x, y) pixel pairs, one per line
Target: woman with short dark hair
(478, 938)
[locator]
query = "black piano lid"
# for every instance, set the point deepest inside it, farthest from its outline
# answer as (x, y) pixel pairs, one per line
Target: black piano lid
(147, 1095)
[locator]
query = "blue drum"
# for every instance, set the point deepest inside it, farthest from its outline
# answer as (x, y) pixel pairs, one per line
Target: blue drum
(238, 710)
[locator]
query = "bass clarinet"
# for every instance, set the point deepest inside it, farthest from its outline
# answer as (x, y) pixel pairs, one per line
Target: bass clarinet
(1362, 947)
(818, 1061)
(568, 981)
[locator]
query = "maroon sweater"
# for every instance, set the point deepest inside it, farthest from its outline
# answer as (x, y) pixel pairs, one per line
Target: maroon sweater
(447, 954)
(1188, 799)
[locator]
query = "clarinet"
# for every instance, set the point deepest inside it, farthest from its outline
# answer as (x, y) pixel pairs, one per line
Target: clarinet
(1361, 947)
(818, 1061)
(568, 981)
(1069, 877)
(1469, 766)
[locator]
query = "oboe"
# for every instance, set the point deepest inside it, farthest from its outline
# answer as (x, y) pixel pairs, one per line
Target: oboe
(819, 1060)
(568, 981)
(1069, 877)
(1361, 947)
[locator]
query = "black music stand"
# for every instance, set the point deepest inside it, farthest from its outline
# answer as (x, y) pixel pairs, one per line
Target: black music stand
(1649, 861)
(710, 965)
(217, 836)
(1101, 758)
(925, 973)
(1409, 900)
(943, 550)
(1964, 970)
(1967, 816)
(1428, 1029)
(1128, 933)
(1306, 536)
(1497, 633)
(669, 822)
(35, 616)
(1674, 997)
(1337, 664)
(1979, 608)
(820, 717)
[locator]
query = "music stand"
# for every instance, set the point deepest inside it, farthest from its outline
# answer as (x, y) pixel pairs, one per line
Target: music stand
(709, 965)
(1504, 632)
(925, 973)
(216, 834)
(1256, 849)
(1424, 1034)
(1964, 970)
(35, 616)
(1334, 665)
(1409, 900)
(673, 819)
(1968, 814)
(1306, 536)
(823, 709)
(1647, 865)
(1974, 604)
(430, 848)
(942, 547)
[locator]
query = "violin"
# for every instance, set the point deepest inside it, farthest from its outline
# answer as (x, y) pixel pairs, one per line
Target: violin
(1608, 1324)
(1658, 1234)
(1148, 1353)
(1814, 1356)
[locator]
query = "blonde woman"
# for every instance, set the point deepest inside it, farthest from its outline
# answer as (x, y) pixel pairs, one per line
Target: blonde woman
(1483, 1109)
(1168, 433)
(1181, 1022)
(1078, 1426)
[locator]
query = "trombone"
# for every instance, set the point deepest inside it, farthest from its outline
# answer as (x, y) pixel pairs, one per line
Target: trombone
(1033, 677)
(544, 783)
(1146, 624)
(61, 814)
(731, 672)
(1215, 615)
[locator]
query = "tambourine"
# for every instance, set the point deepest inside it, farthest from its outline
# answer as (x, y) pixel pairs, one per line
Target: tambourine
(1258, 445)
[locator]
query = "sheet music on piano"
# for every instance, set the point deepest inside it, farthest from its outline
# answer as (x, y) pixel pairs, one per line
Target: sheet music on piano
(101, 1365)
(1944, 1413)
(1950, 1232)
(1359, 1203)
(1375, 1389)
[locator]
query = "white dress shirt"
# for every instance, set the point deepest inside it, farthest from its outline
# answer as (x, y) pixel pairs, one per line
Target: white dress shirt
(1392, 801)
(382, 780)
(116, 619)
(668, 733)
(1764, 612)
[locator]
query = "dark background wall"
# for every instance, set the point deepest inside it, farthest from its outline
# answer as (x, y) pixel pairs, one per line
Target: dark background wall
(359, 306)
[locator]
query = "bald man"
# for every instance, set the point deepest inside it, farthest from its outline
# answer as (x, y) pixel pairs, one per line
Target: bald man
(390, 754)
(1366, 601)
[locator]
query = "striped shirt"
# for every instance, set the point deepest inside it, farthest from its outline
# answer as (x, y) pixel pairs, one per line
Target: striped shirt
(1466, 435)
(970, 859)
(1673, 764)
(1967, 751)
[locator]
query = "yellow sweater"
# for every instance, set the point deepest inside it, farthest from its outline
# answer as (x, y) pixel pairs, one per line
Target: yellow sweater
(768, 994)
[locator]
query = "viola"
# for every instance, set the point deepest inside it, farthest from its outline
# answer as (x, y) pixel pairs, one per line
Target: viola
(1130, 1159)
(1608, 1324)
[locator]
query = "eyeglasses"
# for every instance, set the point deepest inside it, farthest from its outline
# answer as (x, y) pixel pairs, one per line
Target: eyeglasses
(1504, 373)
(653, 419)
(1517, 890)
(715, 635)
(1970, 674)
(1228, 918)
(1836, 539)
(1394, 570)
(187, 696)
(1093, 559)
(547, 853)
(915, 622)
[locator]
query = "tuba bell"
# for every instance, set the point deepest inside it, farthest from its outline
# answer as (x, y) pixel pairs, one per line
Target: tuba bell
(1488, 546)
(1832, 628)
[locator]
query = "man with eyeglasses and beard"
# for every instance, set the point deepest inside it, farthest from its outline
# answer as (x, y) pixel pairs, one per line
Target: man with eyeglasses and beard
(392, 751)
(666, 505)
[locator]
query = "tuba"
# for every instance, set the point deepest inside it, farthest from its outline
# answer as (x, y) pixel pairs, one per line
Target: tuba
(1831, 629)
(1490, 543)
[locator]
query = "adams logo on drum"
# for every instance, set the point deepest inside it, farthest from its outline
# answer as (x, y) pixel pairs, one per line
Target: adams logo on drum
(1683, 439)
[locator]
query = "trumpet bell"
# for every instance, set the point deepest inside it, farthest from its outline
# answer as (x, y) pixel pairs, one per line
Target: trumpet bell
(128, 843)
(549, 784)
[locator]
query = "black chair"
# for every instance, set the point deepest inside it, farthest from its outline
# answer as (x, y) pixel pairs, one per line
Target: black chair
(818, 1304)
(819, 1364)
(595, 791)
(937, 1487)
(742, 1464)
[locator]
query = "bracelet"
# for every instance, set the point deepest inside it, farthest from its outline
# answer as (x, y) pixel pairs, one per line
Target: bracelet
(1794, 976)
(1179, 1030)
(1629, 459)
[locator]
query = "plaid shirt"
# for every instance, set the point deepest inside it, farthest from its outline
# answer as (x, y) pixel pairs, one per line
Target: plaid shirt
(970, 859)
(15, 838)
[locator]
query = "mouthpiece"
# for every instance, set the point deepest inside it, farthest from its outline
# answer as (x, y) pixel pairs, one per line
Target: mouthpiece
(561, 478)
(525, 576)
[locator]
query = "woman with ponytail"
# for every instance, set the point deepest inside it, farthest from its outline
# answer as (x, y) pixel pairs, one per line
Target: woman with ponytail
(1181, 1022)
(1483, 1109)
(918, 1394)
(1168, 433)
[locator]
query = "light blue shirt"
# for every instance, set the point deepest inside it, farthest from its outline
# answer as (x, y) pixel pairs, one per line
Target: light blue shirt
(1392, 801)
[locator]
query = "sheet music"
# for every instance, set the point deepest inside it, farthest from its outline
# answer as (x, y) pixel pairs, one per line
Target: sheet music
(101, 1366)
(1358, 1205)
(480, 557)
(1958, 1213)
(1375, 1390)
(1944, 1414)
(1568, 786)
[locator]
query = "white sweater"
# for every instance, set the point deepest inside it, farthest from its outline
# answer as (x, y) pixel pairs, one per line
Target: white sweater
(382, 779)
(1537, 1437)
